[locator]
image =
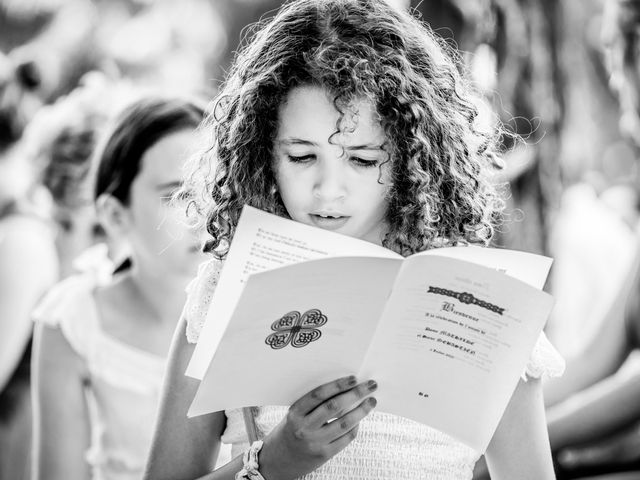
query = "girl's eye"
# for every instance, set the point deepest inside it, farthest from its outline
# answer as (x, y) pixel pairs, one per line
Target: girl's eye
(167, 197)
(361, 162)
(182, 195)
(301, 159)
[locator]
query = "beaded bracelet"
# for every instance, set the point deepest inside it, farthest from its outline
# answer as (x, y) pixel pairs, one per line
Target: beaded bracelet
(250, 463)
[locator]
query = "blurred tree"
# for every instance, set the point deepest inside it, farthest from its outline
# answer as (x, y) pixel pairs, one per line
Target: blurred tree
(591, 137)
(47, 45)
(41, 57)
(511, 48)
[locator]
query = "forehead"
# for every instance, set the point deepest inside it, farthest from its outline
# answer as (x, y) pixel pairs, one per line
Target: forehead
(163, 161)
(309, 112)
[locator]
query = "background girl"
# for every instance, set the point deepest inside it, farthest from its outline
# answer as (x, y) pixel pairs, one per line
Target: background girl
(100, 349)
(348, 115)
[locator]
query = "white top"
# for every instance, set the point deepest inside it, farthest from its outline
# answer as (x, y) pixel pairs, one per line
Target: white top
(387, 446)
(123, 391)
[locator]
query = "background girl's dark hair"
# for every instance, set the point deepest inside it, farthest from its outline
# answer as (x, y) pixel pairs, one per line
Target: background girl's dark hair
(138, 128)
(355, 49)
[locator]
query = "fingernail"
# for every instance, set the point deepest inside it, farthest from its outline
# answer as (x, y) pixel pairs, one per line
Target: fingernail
(372, 401)
(372, 385)
(351, 381)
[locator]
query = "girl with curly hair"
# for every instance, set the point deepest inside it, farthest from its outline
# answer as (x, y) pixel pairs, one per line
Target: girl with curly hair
(351, 116)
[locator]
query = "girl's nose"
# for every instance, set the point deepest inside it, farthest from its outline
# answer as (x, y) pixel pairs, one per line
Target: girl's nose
(330, 181)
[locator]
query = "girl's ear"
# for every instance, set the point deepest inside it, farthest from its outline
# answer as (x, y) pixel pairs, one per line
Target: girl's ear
(112, 215)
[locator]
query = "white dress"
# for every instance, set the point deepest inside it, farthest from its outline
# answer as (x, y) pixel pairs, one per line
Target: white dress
(124, 387)
(387, 446)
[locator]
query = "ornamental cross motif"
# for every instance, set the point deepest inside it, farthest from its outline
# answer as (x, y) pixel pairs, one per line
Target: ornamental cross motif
(298, 330)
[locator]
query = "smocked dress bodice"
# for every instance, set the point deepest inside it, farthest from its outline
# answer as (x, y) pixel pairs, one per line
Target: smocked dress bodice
(387, 446)
(123, 388)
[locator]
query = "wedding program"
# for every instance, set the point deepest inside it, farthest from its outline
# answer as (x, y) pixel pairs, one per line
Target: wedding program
(446, 333)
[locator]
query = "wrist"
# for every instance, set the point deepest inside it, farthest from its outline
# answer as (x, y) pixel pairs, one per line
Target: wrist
(268, 467)
(272, 462)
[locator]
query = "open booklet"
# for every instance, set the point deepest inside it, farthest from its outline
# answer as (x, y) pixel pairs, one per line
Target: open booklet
(446, 333)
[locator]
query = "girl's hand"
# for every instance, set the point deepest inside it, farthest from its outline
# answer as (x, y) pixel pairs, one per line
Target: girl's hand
(317, 426)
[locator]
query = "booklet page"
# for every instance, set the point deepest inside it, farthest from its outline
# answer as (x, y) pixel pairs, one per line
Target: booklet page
(263, 241)
(528, 267)
(452, 343)
(296, 328)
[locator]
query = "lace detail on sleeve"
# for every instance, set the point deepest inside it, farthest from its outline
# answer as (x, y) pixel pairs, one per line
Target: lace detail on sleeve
(544, 360)
(199, 294)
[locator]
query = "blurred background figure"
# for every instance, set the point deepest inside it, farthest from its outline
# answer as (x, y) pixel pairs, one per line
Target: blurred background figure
(28, 267)
(48, 220)
(59, 142)
(101, 342)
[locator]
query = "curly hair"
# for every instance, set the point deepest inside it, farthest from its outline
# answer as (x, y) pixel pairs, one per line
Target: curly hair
(355, 49)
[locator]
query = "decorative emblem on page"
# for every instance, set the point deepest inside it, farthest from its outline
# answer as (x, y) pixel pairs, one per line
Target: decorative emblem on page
(466, 298)
(299, 331)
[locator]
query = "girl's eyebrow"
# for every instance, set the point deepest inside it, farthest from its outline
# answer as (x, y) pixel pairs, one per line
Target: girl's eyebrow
(299, 141)
(296, 141)
(173, 185)
(368, 146)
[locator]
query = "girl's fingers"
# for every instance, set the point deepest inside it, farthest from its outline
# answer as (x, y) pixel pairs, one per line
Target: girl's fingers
(341, 442)
(318, 395)
(345, 424)
(337, 405)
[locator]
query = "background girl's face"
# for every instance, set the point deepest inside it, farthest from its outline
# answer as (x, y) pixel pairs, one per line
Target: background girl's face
(332, 181)
(158, 231)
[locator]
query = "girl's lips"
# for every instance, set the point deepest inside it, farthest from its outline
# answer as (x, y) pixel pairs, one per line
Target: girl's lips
(328, 223)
